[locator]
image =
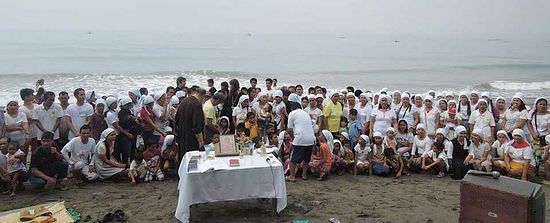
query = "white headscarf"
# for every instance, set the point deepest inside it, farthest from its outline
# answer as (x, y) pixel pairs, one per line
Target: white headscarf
(135, 92)
(294, 97)
(366, 138)
(88, 94)
(174, 101)
(534, 108)
(330, 139)
(505, 134)
(341, 152)
(109, 101)
(518, 132)
(168, 141)
(148, 100)
(242, 99)
(125, 101)
(104, 135)
(281, 138)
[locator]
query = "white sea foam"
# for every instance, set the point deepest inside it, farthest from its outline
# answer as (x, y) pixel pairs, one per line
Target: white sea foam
(520, 86)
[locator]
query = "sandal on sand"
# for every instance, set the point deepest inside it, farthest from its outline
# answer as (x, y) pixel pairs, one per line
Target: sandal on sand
(440, 175)
(287, 178)
(304, 177)
(41, 211)
(109, 217)
(120, 216)
(25, 215)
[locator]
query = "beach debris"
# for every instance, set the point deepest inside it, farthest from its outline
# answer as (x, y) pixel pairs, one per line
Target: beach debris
(429, 220)
(300, 221)
(334, 220)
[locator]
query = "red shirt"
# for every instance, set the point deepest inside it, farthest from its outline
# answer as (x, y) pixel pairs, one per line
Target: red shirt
(144, 112)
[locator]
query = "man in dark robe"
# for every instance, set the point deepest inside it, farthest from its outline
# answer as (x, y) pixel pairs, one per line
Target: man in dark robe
(190, 122)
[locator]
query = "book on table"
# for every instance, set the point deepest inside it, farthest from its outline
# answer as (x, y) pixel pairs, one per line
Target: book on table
(234, 162)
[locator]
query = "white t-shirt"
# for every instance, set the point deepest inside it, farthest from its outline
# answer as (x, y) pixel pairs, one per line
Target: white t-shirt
(407, 114)
(18, 165)
(48, 118)
(403, 140)
(363, 113)
(362, 153)
(277, 110)
(520, 155)
(240, 114)
(300, 122)
(314, 114)
(541, 127)
(29, 113)
(79, 151)
(448, 148)
(21, 118)
(395, 107)
(500, 149)
(78, 115)
(111, 118)
(420, 146)
(269, 93)
(428, 119)
(382, 120)
(483, 122)
(513, 116)
(463, 112)
(477, 151)
(442, 155)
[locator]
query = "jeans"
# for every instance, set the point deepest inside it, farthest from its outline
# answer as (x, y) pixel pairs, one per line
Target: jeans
(61, 170)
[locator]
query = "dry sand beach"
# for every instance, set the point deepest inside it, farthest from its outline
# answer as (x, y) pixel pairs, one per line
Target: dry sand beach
(416, 198)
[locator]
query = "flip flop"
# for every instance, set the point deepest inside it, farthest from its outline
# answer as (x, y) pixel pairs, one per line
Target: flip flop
(25, 215)
(41, 211)
(120, 216)
(108, 218)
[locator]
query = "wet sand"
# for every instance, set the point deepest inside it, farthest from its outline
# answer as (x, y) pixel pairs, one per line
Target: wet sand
(416, 198)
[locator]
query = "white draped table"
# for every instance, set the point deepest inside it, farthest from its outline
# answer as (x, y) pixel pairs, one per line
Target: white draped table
(214, 180)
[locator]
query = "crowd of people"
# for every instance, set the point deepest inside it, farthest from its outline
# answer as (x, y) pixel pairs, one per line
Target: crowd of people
(142, 136)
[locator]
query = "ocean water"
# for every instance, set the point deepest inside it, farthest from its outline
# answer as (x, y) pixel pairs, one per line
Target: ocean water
(113, 62)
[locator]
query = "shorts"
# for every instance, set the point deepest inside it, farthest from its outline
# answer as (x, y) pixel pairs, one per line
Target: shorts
(300, 154)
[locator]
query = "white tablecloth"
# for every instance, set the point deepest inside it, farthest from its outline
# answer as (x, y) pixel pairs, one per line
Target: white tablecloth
(216, 181)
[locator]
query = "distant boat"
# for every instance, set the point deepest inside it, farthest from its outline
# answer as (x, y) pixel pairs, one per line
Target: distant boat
(89, 33)
(341, 37)
(249, 34)
(396, 41)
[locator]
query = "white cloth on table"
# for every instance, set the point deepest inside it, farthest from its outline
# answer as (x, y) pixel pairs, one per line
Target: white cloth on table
(254, 178)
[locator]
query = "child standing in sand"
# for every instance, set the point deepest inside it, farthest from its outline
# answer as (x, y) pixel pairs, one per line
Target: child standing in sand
(16, 166)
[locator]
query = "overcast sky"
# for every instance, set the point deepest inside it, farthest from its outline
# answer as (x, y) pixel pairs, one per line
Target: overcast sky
(506, 19)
